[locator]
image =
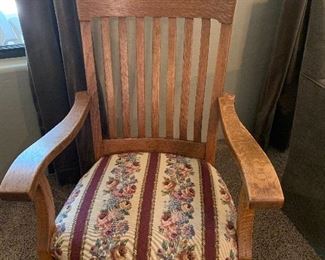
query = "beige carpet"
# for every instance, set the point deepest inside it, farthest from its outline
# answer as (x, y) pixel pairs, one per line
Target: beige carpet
(275, 237)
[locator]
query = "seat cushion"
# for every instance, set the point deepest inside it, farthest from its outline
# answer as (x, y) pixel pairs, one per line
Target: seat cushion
(147, 206)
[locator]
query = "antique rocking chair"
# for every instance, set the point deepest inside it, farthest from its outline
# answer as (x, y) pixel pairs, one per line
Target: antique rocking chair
(156, 196)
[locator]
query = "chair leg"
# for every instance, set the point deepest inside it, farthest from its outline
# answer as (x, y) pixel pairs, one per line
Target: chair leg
(244, 227)
(45, 214)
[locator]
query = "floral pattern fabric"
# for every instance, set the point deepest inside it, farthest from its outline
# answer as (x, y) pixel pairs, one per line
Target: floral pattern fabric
(111, 222)
(116, 188)
(176, 226)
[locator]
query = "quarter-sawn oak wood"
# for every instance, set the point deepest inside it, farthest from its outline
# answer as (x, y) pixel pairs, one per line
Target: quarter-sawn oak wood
(217, 90)
(222, 10)
(122, 28)
(109, 86)
(245, 219)
(258, 174)
(186, 148)
(88, 53)
(171, 77)
(140, 76)
(45, 213)
(202, 75)
(186, 77)
(155, 77)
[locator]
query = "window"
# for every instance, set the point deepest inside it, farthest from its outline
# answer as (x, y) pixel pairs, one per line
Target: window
(11, 37)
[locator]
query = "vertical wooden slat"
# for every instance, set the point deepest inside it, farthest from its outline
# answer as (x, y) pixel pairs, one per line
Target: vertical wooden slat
(109, 86)
(219, 80)
(203, 65)
(188, 32)
(91, 80)
(124, 75)
(140, 75)
(171, 77)
(155, 77)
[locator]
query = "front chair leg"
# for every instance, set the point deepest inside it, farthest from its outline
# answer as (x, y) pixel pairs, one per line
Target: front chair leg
(45, 214)
(245, 227)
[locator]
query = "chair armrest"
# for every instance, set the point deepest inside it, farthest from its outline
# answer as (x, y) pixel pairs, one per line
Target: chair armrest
(21, 180)
(258, 174)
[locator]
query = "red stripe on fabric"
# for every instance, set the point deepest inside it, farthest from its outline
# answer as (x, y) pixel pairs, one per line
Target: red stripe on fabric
(209, 218)
(79, 228)
(145, 215)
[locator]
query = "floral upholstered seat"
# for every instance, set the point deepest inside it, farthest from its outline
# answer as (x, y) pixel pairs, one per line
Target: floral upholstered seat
(147, 206)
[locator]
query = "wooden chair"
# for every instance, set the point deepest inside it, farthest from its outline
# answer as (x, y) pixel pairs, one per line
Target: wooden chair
(25, 179)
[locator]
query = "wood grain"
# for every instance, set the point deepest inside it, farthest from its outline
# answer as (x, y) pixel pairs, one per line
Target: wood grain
(21, 180)
(222, 10)
(155, 77)
(185, 148)
(245, 221)
(109, 85)
(186, 76)
(140, 48)
(171, 70)
(91, 80)
(258, 175)
(45, 216)
(122, 27)
(202, 74)
(217, 90)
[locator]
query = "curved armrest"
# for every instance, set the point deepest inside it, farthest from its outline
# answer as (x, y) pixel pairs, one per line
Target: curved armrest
(21, 180)
(258, 174)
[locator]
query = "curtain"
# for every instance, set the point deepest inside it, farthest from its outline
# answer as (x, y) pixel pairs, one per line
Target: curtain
(303, 181)
(277, 102)
(53, 46)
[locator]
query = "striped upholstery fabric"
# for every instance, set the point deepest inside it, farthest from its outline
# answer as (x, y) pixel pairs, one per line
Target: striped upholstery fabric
(147, 206)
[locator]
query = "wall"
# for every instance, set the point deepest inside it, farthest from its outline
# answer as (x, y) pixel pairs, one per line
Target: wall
(19, 126)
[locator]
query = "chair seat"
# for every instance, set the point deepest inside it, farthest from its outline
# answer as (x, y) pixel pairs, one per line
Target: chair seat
(147, 206)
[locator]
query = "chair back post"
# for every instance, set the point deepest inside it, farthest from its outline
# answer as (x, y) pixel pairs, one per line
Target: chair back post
(217, 91)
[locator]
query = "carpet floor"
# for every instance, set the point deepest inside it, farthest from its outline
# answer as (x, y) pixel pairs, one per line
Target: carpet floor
(275, 237)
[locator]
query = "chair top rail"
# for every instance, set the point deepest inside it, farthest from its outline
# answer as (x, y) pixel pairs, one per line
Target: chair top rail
(221, 10)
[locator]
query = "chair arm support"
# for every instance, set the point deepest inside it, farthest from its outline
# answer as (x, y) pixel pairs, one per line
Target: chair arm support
(22, 179)
(258, 175)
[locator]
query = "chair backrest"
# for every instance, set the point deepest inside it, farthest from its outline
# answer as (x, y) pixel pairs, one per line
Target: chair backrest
(221, 10)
